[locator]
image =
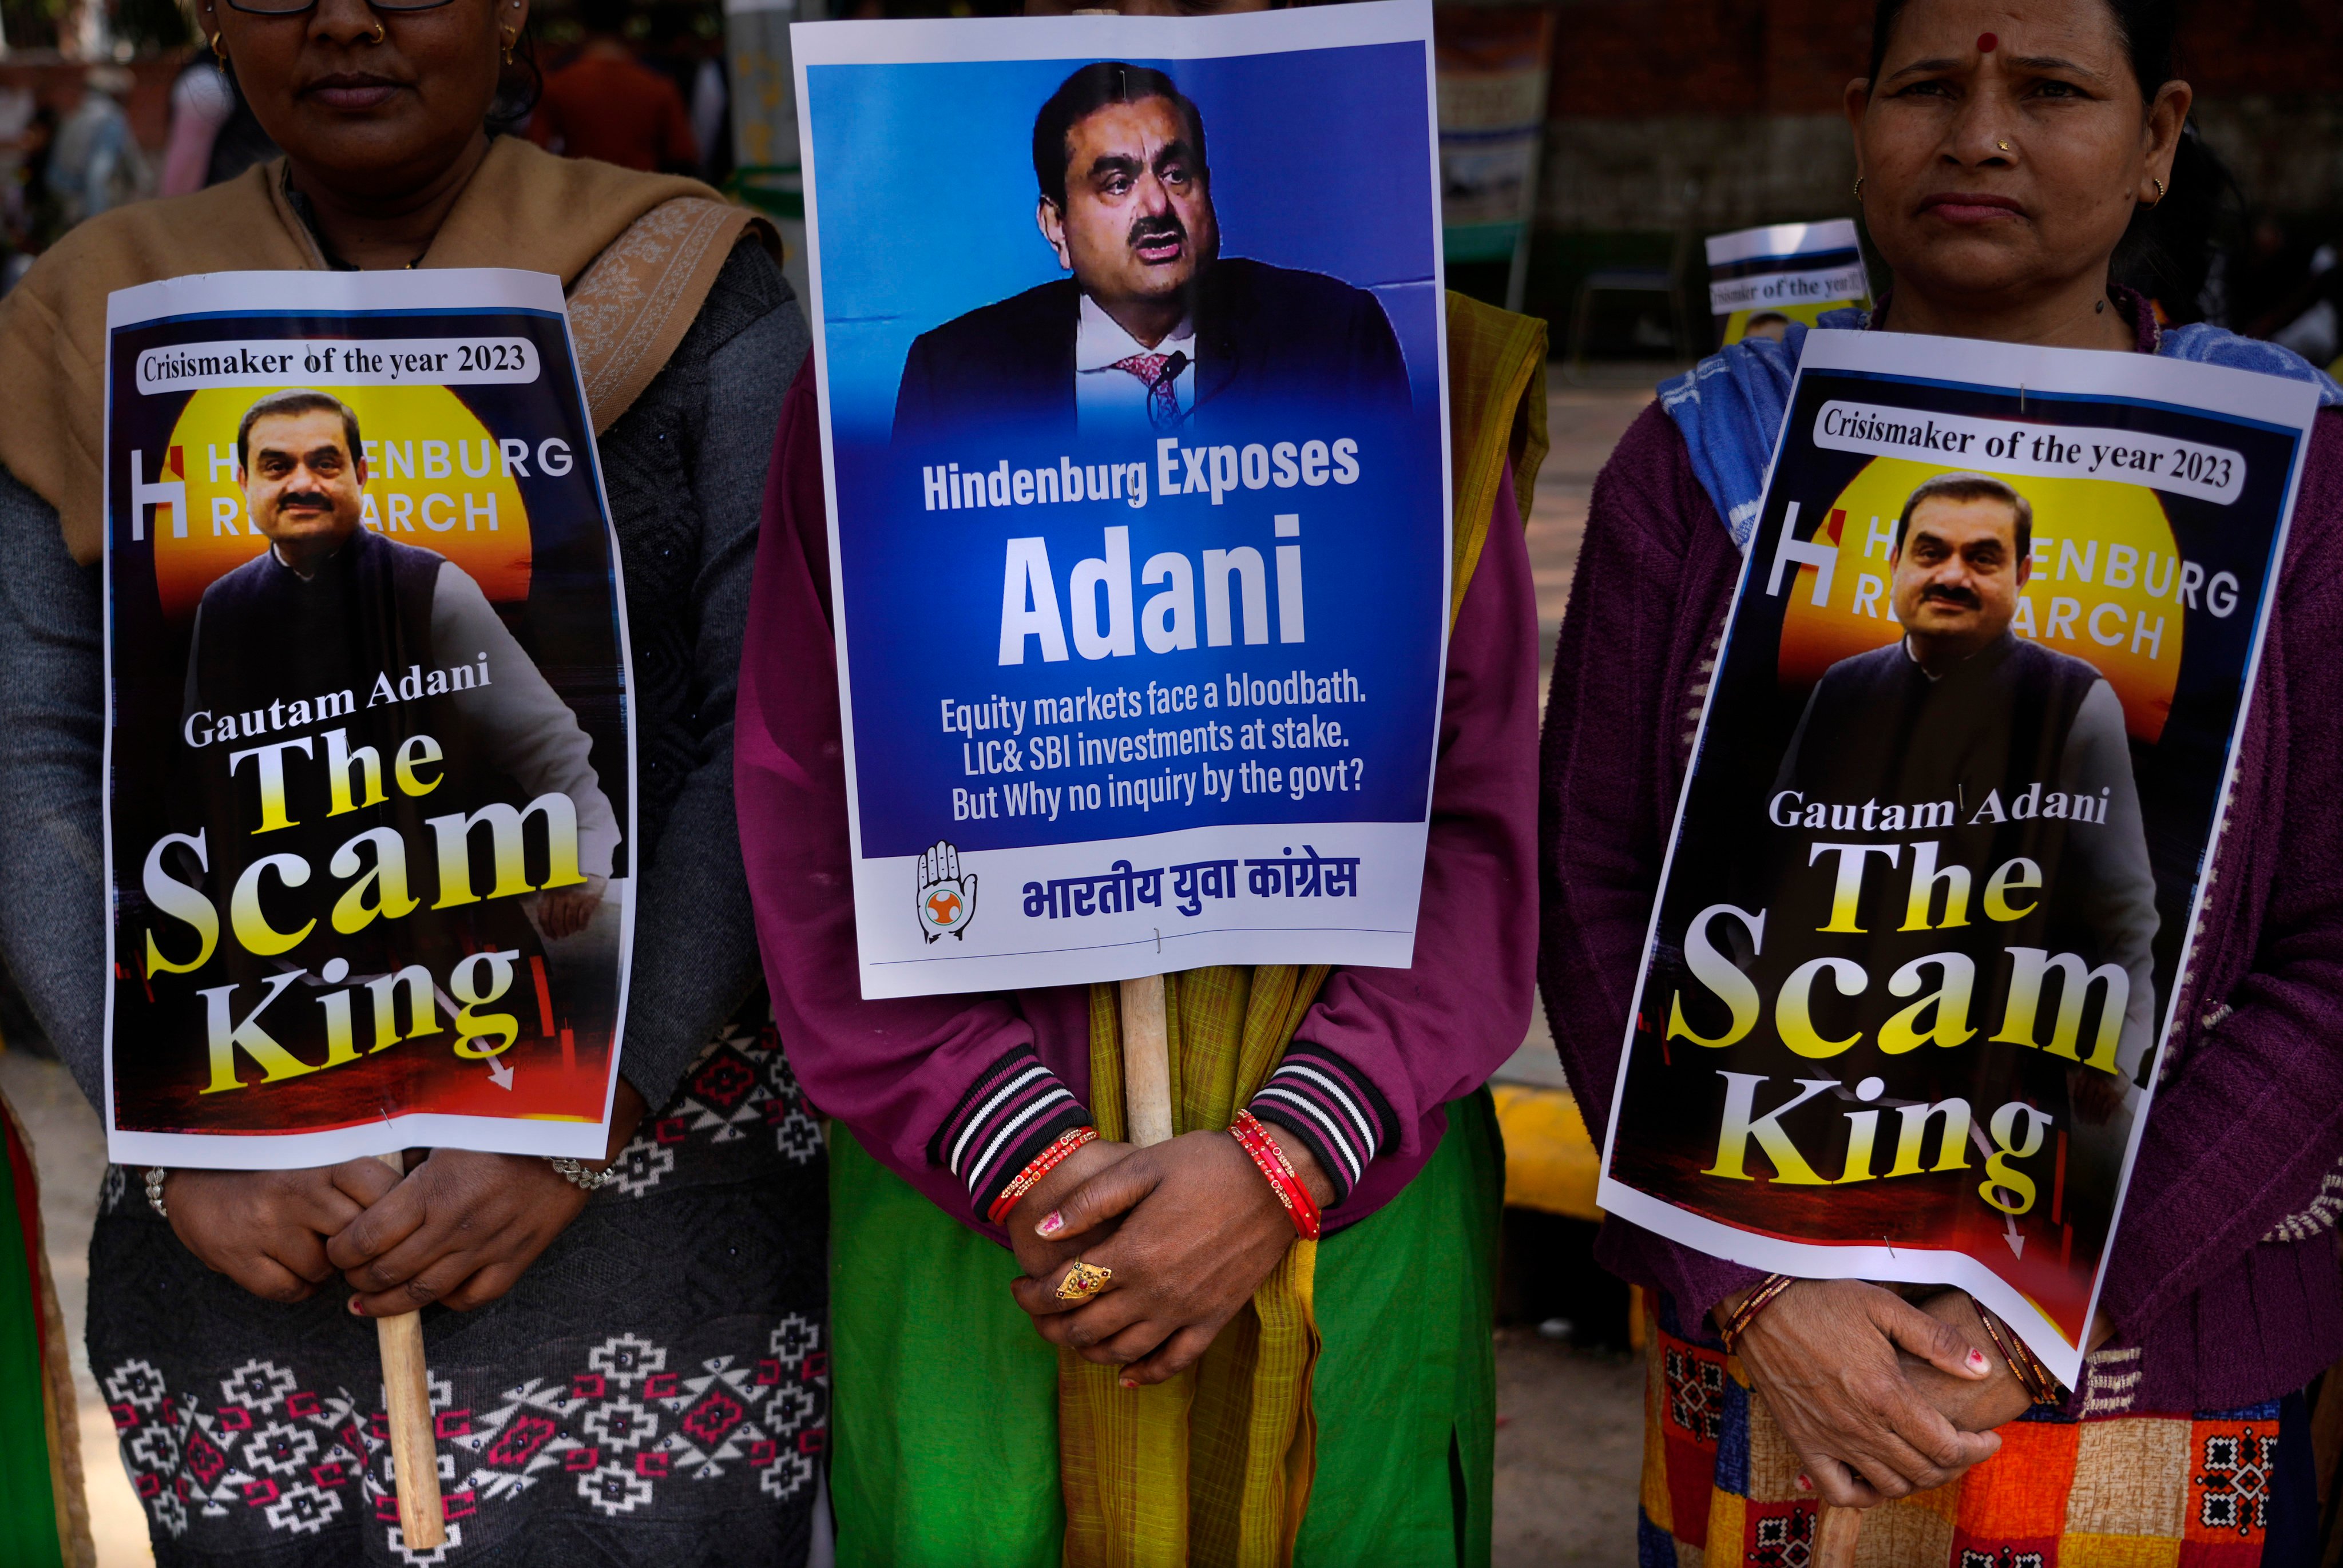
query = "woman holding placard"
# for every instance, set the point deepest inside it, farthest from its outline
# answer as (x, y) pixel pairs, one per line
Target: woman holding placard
(633, 1371)
(2009, 160)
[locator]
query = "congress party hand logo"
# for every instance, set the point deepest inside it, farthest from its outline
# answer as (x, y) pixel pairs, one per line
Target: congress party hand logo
(947, 898)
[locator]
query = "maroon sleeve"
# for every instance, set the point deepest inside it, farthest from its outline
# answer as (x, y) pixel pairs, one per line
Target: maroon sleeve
(949, 1091)
(1647, 605)
(957, 1093)
(2249, 1126)
(1383, 1048)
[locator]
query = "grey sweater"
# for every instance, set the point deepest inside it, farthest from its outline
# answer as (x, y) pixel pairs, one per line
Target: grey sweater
(685, 468)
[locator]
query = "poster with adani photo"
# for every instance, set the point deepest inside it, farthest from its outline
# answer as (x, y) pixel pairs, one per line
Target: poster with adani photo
(1940, 856)
(369, 778)
(1135, 426)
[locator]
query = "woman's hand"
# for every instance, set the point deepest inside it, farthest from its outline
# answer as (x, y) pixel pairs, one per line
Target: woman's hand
(268, 1230)
(1824, 1355)
(462, 1228)
(1201, 1229)
(1971, 1404)
(1046, 1257)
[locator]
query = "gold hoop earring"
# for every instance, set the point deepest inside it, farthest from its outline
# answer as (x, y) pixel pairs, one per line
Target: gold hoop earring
(218, 53)
(2160, 191)
(512, 36)
(1858, 187)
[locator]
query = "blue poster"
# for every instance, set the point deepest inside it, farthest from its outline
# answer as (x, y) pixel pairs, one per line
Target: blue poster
(1129, 336)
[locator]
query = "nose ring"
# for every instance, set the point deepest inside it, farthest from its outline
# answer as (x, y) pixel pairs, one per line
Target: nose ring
(2003, 146)
(379, 34)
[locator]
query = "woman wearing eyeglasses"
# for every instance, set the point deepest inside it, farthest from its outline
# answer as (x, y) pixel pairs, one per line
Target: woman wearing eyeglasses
(634, 1372)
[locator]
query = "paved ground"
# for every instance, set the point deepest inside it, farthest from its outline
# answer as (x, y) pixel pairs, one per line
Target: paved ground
(1570, 1443)
(1569, 1438)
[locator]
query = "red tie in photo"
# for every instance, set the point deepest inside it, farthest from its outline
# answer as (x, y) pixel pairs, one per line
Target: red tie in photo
(1160, 373)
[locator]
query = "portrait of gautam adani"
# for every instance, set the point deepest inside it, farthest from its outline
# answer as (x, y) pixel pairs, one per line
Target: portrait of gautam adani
(2002, 766)
(339, 682)
(1154, 331)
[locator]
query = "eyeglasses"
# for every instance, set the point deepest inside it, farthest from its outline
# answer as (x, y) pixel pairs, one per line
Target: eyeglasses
(295, 7)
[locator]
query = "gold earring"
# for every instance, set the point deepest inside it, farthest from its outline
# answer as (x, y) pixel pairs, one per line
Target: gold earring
(2160, 191)
(512, 36)
(1858, 187)
(218, 53)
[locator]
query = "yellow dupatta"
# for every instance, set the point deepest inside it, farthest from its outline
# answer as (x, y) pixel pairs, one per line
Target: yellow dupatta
(636, 253)
(1215, 1466)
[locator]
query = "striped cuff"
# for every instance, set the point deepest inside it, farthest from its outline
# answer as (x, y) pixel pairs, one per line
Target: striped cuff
(1016, 1109)
(1330, 1106)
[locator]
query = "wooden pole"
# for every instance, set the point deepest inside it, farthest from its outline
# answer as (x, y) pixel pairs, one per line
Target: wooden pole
(414, 1449)
(1836, 1533)
(1146, 1062)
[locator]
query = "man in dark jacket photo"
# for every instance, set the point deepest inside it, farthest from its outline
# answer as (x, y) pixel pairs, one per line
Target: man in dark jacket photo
(1155, 331)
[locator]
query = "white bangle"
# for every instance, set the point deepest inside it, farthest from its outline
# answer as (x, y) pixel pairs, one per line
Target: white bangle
(155, 1176)
(584, 1179)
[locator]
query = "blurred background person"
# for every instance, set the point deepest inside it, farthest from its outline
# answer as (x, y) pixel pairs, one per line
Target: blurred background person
(95, 165)
(213, 134)
(608, 104)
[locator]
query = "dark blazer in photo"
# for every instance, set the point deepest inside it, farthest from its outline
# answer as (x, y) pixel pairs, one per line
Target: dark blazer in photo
(1265, 336)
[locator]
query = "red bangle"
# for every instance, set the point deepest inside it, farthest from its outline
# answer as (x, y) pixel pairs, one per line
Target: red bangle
(1044, 1163)
(1248, 1130)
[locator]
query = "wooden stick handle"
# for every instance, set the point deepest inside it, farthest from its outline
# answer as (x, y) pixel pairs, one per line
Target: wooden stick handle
(1146, 1062)
(414, 1449)
(1836, 1533)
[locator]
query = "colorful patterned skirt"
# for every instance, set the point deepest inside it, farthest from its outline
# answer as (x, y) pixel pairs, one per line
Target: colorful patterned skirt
(653, 1392)
(2204, 1489)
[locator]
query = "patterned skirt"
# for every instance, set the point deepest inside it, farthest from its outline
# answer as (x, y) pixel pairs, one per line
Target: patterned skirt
(653, 1393)
(2201, 1490)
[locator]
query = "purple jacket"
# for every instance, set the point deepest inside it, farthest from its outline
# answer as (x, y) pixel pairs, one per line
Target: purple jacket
(2223, 1274)
(957, 1093)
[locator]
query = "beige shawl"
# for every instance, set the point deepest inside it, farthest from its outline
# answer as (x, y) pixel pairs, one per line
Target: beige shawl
(636, 254)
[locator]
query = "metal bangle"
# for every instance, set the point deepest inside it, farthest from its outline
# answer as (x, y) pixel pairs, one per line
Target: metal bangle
(2041, 1385)
(155, 1176)
(1757, 1301)
(584, 1179)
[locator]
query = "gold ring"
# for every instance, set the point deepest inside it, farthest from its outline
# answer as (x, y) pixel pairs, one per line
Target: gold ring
(1082, 1281)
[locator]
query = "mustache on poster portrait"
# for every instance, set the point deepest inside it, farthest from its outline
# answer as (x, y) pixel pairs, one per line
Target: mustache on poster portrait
(296, 500)
(1961, 599)
(1158, 226)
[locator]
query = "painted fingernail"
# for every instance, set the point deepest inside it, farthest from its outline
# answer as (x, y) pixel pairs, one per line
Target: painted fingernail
(1130, 1382)
(1051, 1223)
(357, 1310)
(1805, 1485)
(1976, 1361)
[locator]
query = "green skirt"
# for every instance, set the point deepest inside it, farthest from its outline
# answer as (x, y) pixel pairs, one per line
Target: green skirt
(33, 1524)
(945, 1419)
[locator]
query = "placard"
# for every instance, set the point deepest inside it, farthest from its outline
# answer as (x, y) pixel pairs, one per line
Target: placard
(1135, 434)
(1939, 860)
(1762, 280)
(369, 771)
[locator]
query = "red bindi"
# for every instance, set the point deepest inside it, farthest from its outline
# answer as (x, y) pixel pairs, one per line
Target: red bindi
(1987, 43)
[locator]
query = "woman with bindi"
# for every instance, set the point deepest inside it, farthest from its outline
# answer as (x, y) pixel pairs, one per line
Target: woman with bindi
(2012, 163)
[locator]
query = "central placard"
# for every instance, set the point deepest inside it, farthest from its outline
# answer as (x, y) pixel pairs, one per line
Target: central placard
(1135, 429)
